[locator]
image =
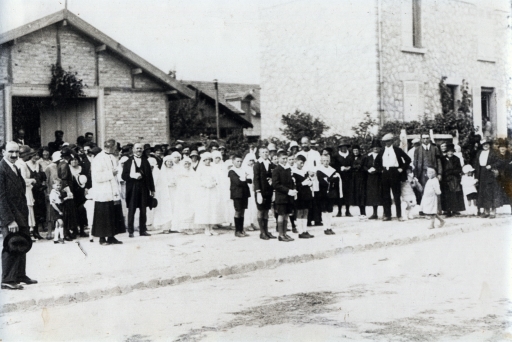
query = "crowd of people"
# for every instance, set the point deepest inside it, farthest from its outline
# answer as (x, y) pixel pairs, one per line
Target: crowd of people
(83, 190)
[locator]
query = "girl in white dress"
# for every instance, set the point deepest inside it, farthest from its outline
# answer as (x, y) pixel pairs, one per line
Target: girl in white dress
(429, 201)
(251, 216)
(165, 193)
(186, 187)
(210, 210)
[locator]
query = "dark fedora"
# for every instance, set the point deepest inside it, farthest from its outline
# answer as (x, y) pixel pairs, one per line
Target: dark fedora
(450, 147)
(153, 203)
(344, 142)
(376, 143)
(18, 243)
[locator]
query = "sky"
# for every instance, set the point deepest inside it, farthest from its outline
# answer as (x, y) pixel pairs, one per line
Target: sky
(201, 39)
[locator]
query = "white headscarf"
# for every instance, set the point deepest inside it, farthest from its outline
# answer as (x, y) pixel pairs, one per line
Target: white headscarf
(245, 164)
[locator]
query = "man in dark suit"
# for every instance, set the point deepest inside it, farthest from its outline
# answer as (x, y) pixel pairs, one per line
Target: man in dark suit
(20, 138)
(392, 162)
(13, 217)
(284, 186)
(140, 188)
(263, 191)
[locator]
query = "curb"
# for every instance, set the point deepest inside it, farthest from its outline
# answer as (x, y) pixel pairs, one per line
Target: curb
(229, 270)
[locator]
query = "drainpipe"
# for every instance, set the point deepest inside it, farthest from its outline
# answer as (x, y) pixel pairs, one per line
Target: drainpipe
(379, 16)
(217, 106)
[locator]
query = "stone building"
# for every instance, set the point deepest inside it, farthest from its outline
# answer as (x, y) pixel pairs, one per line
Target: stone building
(239, 107)
(340, 59)
(126, 97)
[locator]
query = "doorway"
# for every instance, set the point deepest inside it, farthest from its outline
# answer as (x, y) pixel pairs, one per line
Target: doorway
(489, 119)
(40, 119)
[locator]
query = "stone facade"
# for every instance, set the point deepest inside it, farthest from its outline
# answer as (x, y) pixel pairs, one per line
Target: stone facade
(130, 105)
(330, 59)
(320, 58)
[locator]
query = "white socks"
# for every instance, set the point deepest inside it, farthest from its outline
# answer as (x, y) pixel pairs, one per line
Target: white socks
(58, 232)
(326, 220)
(302, 225)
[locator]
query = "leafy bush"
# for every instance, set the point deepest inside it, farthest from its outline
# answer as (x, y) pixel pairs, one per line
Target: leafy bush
(299, 124)
(185, 118)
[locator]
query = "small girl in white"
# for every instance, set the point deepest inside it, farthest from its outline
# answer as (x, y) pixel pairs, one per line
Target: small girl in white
(56, 212)
(429, 201)
(407, 193)
(469, 182)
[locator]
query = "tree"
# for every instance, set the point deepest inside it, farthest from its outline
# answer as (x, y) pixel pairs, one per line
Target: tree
(186, 118)
(299, 124)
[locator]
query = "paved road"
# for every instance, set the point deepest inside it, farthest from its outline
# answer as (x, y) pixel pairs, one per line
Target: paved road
(455, 288)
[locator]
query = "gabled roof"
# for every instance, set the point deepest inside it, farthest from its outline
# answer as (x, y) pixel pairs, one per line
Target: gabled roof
(89, 30)
(230, 91)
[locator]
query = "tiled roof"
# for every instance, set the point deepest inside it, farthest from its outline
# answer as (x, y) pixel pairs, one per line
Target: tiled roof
(229, 89)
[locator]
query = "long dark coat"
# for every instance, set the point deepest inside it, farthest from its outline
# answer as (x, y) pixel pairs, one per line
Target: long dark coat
(424, 159)
(373, 186)
(452, 197)
(238, 188)
(346, 176)
(261, 177)
(358, 184)
(138, 191)
(488, 189)
(504, 166)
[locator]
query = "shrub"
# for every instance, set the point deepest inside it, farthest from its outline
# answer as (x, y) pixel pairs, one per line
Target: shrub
(299, 124)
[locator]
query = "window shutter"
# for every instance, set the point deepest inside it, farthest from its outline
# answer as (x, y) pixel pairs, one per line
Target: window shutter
(413, 100)
(407, 23)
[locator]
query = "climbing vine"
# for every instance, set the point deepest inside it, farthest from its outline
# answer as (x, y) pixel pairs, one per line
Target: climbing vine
(65, 85)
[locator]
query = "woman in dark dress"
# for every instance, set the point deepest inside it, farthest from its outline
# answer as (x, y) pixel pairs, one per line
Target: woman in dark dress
(504, 167)
(452, 197)
(38, 191)
(78, 190)
(373, 186)
(68, 205)
(488, 189)
(358, 185)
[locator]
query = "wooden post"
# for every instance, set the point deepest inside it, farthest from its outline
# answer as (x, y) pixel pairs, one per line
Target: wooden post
(217, 106)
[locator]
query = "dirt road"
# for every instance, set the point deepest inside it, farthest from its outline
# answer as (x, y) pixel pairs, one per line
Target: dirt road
(455, 288)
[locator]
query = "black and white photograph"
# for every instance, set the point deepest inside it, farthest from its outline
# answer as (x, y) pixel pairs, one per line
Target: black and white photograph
(256, 170)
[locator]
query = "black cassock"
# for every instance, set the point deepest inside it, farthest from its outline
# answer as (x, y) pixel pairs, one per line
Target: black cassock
(138, 191)
(452, 197)
(358, 184)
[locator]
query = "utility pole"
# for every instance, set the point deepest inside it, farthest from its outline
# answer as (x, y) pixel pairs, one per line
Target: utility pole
(66, 4)
(217, 106)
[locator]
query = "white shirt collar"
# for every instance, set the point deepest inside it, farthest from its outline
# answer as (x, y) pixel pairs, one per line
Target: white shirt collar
(13, 167)
(344, 155)
(426, 147)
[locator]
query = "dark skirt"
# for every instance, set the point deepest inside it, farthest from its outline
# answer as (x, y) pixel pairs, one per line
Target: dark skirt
(39, 205)
(452, 200)
(108, 219)
(373, 190)
(358, 189)
(489, 194)
(69, 217)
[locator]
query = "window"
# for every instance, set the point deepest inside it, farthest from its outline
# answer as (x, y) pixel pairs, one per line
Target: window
(489, 119)
(411, 26)
(416, 23)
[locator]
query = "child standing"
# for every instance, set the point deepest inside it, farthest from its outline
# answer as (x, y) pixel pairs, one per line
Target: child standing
(408, 192)
(469, 183)
(304, 200)
(284, 186)
(430, 199)
(239, 193)
(56, 214)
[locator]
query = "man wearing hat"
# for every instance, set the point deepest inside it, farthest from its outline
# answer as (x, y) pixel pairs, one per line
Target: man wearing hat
(13, 219)
(140, 188)
(427, 155)
(416, 142)
(373, 180)
(393, 163)
(342, 163)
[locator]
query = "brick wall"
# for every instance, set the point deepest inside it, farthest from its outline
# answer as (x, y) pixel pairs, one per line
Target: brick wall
(78, 54)
(130, 116)
(113, 72)
(321, 58)
(2, 118)
(142, 81)
(33, 56)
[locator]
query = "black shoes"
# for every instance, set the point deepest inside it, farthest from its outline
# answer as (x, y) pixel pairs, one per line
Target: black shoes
(288, 237)
(329, 232)
(347, 214)
(303, 236)
(386, 219)
(270, 236)
(112, 240)
(11, 286)
(145, 234)
(27, 281)
(104, 242)
(309, 235)
(130, 235)
(373, 217)
(264, 237)
(285, 239)
(294, 230)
